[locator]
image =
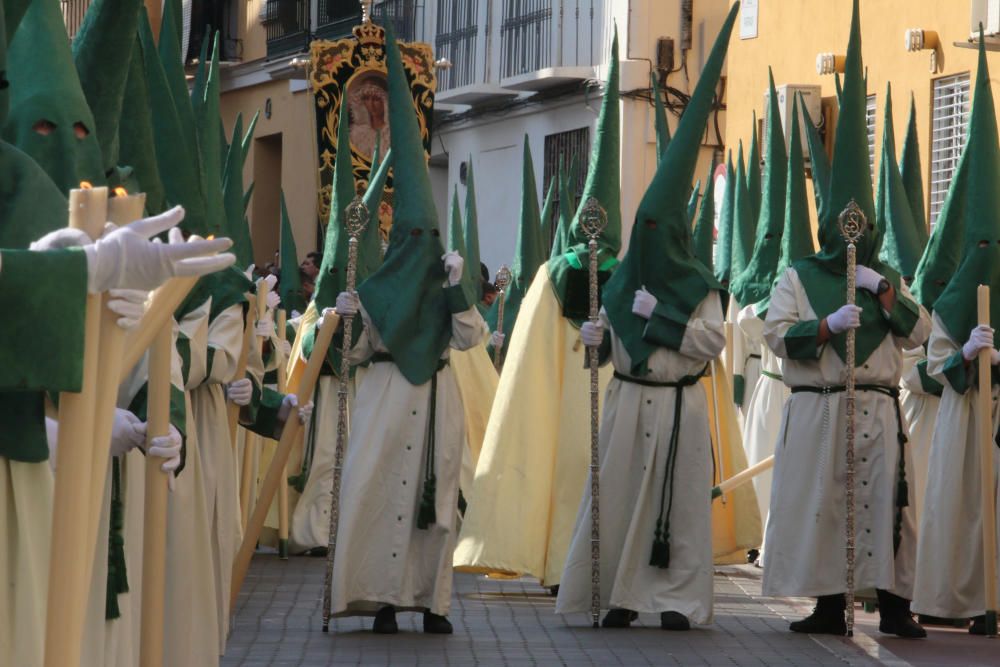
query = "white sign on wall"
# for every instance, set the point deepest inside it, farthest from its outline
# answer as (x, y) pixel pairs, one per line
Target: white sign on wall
(748, 19)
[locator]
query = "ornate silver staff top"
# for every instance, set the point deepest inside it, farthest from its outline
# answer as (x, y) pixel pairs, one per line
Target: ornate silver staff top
(503, 278)
(593, 219)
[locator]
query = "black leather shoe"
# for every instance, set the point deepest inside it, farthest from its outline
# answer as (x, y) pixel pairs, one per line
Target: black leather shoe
(896, 618)
(673, 620)
(385, 621)
(978, 626)
(827, 618)
(436, 625)
(619, 618)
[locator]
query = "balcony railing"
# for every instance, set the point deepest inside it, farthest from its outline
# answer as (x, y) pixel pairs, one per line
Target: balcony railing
(405, 16)
(457, 35)
(336, 18)
(526, 36)
(286, 25)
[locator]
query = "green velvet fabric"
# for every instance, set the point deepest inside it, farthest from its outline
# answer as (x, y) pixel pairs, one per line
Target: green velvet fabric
(724, 243)
(136, 145)
(470, 232)
(290, 286)
(912, 174)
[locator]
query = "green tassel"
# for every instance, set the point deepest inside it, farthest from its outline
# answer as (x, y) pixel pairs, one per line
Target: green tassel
(298, 482)
(117, 579)
(427, 514)
(660, 556)
(902, 494)
(111, 610)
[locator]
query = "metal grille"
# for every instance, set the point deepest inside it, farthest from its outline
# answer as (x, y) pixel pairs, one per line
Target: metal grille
(561, 150)
(457, 31)
(870, 127)
(526, 36)
(73, 11)
(286, 25)
(336, 19)
(949, 116)
(405, 16)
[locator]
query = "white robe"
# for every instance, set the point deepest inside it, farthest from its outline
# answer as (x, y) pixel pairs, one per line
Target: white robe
(763, 412)
(746, 358)
(381, 555)
(950, 553)
(805, 533)
(920, 411)
(635, 443)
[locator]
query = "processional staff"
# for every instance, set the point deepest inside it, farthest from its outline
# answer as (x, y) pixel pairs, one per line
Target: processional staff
(502, 281)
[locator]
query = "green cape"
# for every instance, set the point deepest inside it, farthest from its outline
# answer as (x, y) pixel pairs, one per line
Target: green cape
(289, 287)
(823, 274)
(754, 283)
(704, 226)
(744, 224)
(660, 257)
(912, 173)
(569, 270)
(980, 263)
(405, 297)
(724, 244)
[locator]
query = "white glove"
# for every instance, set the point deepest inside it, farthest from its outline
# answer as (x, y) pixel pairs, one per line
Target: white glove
(295, 315)
(322, 316)
(980, 338)
(453, 265)
(844, 318)
(592, 333)
(497, 339)
(347, 304)
(249, 272)
(643, 304)
(127, 433)
(130, 304)
(240, 392)
(125, 257)
(289, 403)
(273, 300)
(286, 349)
(166, 447)
(868, 279)
(66, 237)
(265, 326)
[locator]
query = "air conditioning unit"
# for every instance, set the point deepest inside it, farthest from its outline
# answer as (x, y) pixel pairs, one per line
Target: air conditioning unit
(986, 12)
(812, 110)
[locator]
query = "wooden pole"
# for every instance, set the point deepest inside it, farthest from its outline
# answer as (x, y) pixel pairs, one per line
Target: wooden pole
(233, 410)
(283, 485)
(275, 471)
(742, 477)
(165, 300)
(69, 573)
(250, 440)
(154, 539)
(984, 406)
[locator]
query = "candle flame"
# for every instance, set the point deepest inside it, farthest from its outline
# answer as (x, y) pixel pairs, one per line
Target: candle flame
(210, 237)
(85, 185)
(121, 192)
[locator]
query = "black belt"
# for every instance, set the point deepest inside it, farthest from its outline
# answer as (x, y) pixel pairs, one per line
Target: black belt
(754, 356)
(902, 488)
(686, 381)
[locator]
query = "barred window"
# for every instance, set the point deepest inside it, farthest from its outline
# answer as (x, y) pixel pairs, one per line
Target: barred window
(870, 126)
(562, 150)
(949, 117)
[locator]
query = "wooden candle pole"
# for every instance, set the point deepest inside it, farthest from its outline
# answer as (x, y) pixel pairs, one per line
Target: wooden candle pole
(250, 440)
(984, 406)
(742, 477)
(276, 471)
(283, 485)
(241, 371)
(165, 300)
(69, 573)
(154, 539)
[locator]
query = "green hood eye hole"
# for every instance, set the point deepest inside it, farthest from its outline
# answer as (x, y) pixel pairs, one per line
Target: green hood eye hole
(984, 243)
(416, 232)
(80, 130)
(769, 237)
(651, 224)
(44, 127)
(435, 232)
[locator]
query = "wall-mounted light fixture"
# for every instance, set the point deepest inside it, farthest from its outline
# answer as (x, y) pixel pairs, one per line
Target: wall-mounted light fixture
(916, 39)
(828, 63)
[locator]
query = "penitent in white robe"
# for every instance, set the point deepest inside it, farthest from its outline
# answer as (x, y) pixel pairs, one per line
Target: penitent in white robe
(805, 535)
(746, 358)
(920, 410)
(763, 413)
(381, 556)
(950, 554)
(635, 443)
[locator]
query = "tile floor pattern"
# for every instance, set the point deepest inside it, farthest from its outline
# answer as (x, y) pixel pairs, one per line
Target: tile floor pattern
(513, 623)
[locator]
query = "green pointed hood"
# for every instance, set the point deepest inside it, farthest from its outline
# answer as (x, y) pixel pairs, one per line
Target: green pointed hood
(405, 298)
(102, 52)
(754, 283)
(14, 10)
(901, 246)
(692, 207)
(529, 253)
(724, 243)
(471, 233)
(704, 226)
(661, 256)
(456, 243)
(370, 252)
(662, 124)
(567, 205)
(819, 164)
(744, 227)
(136, 145)
(237, 226)
(290, 286)
(44, 86)
(168, 50)
(550, 197)
(823, 274)
(30, 203)
(980, 263)
(178, 165)
(604, 185)
(754, 187)
(332, 278)
(912, 174)
(205, 106)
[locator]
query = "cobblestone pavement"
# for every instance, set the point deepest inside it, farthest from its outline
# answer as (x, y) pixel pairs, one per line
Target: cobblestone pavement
(513, 623)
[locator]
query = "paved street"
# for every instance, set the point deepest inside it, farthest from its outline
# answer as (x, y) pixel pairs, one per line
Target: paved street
(512, 623)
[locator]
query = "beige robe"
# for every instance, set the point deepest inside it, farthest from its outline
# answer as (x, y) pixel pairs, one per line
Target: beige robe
(950, 553)
(536, 453)
(635, 443)
(805, 533)
(920, 411)
(381, 556)
(477, 381)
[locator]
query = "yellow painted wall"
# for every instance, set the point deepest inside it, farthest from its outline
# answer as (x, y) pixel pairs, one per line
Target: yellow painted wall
(792, 32)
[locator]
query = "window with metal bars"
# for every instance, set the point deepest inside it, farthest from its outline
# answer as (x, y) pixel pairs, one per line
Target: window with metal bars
(405, 16)
(457, 32)
(562, 150)
(870, 127)
(335, 19)
(286, 26)
(73, 11)
(949, 116)
(526, 34)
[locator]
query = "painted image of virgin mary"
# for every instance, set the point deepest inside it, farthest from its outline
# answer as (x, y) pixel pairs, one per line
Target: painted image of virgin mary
(368, 101)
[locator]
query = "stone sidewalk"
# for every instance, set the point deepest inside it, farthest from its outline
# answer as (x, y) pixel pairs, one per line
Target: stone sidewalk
(513, 623)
